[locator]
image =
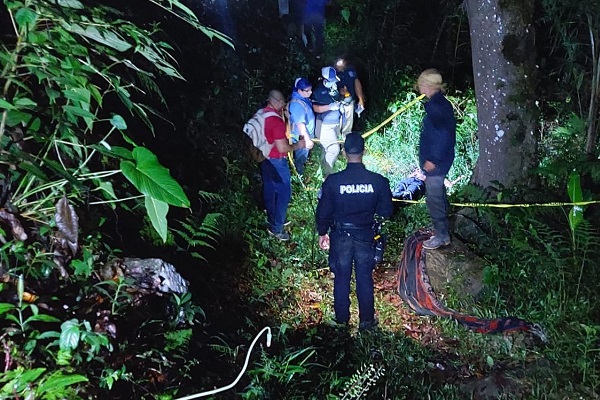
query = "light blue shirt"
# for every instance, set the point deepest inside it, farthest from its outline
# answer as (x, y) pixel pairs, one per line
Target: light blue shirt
(301, 111)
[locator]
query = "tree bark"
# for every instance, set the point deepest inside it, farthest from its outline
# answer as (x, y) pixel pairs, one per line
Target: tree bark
(504, 70)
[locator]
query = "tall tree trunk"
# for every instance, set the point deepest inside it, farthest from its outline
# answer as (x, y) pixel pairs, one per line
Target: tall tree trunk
(503, 51)
(594, 108)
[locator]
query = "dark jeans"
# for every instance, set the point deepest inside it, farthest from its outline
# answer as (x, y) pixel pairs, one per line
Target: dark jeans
(277, 191)
(300, 158)
(344, 252)
(437, 204)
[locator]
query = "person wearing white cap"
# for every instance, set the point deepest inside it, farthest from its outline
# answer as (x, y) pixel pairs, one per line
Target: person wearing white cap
(326, 103)
(436, 153)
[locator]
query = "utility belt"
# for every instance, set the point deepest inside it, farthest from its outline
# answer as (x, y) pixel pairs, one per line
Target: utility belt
(378, 240)
(342, 226)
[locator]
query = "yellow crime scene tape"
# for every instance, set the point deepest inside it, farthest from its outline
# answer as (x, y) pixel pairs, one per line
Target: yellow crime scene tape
(387, 120)
(471, 205)
(504, 205)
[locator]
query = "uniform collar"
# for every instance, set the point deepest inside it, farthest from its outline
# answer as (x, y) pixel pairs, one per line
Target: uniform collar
(355, 165)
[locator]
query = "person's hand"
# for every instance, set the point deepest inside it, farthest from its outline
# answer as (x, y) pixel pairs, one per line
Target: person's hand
(428, 166)
(359, 110)
(308, 143)
(334, 106)
(324, 242)
(300, 144)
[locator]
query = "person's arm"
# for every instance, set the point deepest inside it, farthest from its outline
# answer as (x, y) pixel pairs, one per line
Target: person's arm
(441, 117)
(321, 108)
(308, 143)
(275, 128)
(324, 242)
(283, 145)
(429, 166)
(359, 92)
(298, 118)
(324, 215)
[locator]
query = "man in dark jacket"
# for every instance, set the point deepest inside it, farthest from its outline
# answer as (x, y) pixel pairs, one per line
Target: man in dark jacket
(436, 153)
(326, 99)
(347, 207)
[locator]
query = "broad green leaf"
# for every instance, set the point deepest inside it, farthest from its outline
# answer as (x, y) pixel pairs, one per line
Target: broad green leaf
(13, 318)
(49, 335)
(25, 102)
(345, 15)
(81, 95)
(26, 378)
(71, 4)
(95, 94)
(107, 189)
(114, 151)
(57, 380)
(152, 179)
(575, 216)
(35, 125)
(81, 268)
(158, 61)
(576, 195)
(6, 307)
(70, 334)
(157, 212)
(6, 105)
(15, 117)
(25, 16)
(105, 37)
(113, 40)
(574, 187)
(118, 122)
(78, 111)
(124, 96)
(43, 318)
(37, 38)
(128, 139)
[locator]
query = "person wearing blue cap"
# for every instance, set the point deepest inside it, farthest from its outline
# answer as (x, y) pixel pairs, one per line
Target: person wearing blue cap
(345, 217)
(327, 101)
(302, 121)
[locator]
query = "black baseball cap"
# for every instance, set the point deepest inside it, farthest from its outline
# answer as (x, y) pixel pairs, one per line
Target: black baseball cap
(354, 143)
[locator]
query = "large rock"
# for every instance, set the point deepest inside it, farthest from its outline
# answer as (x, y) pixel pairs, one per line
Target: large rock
(456, 267)
(149, 274)
(466, 225)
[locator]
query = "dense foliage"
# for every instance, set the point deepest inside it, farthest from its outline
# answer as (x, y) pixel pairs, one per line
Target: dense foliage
(92, 99)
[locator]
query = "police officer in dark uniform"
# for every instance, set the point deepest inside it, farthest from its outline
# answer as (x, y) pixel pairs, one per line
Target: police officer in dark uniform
(347, 207)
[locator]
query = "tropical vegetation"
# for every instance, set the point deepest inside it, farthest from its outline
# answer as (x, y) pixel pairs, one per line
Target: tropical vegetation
(120, 138)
